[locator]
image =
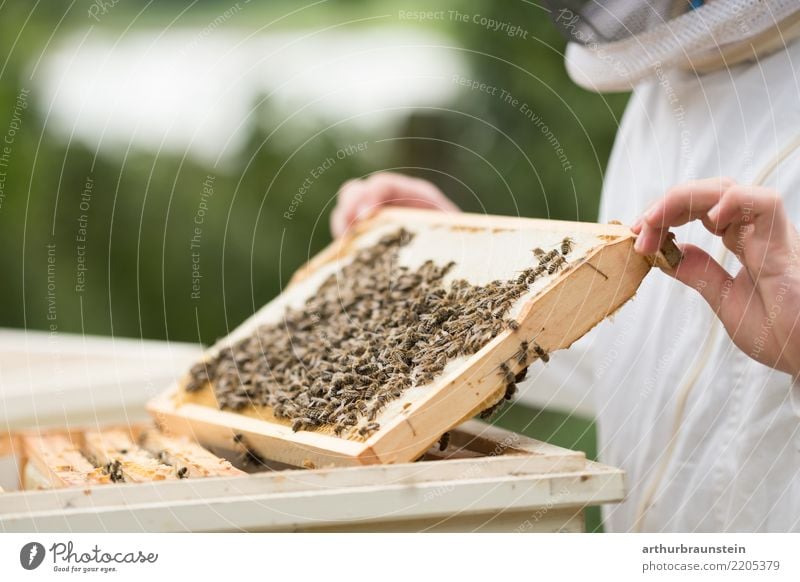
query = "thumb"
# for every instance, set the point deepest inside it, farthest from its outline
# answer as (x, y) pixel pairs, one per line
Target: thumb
(703, 273)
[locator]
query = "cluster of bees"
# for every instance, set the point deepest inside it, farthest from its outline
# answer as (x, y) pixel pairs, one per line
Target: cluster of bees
(369, 333)
(549, 262)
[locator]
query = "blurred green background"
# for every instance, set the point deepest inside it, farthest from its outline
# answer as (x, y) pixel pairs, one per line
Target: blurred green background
(528, 142)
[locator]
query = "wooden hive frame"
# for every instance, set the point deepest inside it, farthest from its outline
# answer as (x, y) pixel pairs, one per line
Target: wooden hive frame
(594, 285)
(65, 459)
(60, 458)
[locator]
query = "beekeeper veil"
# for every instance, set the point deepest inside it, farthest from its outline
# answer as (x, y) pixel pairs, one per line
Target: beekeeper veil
(614, 44)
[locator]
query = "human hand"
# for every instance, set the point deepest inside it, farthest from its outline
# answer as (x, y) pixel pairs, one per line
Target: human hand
(359, 199)
(760, 305)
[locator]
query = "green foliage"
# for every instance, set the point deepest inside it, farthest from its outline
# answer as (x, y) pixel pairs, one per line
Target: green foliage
(484, 151)
(544, 142)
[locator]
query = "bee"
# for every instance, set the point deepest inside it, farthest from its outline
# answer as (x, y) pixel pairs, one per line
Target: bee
(444, 441)
(522, 353)
(513, 324)
(548, 257)
(506, 373)
(338, 380)
(489, 412)
(182, 472)
(114, 470)
(424, 378)
(567, 245)
(543, 355)
(521, 376)
(557, 264)
(368, 428)
(538, 252)
(300, 423)
(511, 389)
(250, 457)
(367, 369)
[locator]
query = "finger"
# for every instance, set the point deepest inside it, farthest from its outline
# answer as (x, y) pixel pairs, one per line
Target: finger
(700, 271)
(737, 236)
(360, 199)
(397, 190)
(364, 205)
(687, 202)
(681, 204)
(340, 222)
(369, 204)
(336, 222)
(349, 192)
(649, 239)
(435, 198)
(760, 206)
(408, 191)
(346, 206)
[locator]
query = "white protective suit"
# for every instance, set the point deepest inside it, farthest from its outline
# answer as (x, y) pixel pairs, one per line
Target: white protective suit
(729, 460)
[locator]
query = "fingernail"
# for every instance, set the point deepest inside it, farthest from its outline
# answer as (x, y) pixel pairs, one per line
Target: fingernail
(637, 246)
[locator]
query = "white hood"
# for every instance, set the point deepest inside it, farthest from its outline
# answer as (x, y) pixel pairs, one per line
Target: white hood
(719, 33)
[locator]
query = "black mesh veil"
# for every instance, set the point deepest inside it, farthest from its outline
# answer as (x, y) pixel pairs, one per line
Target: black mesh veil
(604, 21)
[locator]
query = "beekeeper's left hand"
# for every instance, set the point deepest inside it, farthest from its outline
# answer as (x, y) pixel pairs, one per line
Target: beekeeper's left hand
(760, 305)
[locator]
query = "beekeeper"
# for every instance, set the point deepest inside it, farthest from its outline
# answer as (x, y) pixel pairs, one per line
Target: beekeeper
(694, 383)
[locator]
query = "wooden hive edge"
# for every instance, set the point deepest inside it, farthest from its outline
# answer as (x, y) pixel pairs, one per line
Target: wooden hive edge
(481, 378)
(58, 461)
(394, 215)
(219, 428)
(9, 443)
(109, 447)
(325, 488)
(188, 458)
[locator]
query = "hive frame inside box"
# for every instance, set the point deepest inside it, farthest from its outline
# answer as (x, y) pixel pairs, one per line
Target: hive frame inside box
(59, 456)
(493, 480)
(564, 307)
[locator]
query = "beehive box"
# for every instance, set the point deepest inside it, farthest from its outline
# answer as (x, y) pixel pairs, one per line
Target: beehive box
(486, 479)
(562, 279)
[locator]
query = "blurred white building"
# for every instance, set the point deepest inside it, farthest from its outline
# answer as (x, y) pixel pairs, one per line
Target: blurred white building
(194, 90)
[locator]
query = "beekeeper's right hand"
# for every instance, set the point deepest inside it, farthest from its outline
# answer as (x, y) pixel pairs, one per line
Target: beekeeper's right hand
(359, 199)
